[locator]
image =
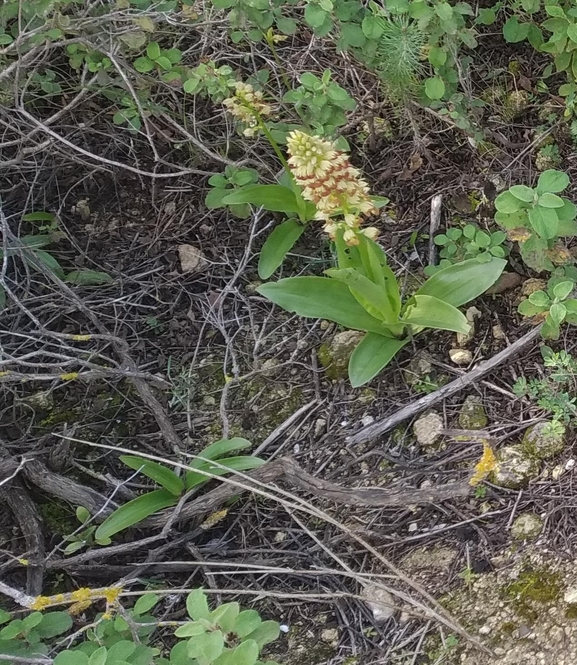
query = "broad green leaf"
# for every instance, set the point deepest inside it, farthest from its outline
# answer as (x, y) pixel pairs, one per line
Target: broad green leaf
(98, 657)
(88, 277)
(507, 203)
(513, 220)
(153, 50)
(225, 616)
(372, 297)
(190, 629)
(567, 228)
(157, 472)
(563, 289)
(557, 312)
(370, 356)
(540, 299)
(39, 217)
(246, 653)
(121, 651)
(550, 329)
(431, 312)
(287, 26)
(246, 622)
(35, 241)
(32, 620)
(527, 308)
(462, 282)
(275, 198)
(71, 658)
(548, 200)
(277, 245)
(197, 605)
(321, 298)
(514, 32)
(41, 257)
(552, 181)
(242, 463)
(206, 648)
(523, 193)
(135, 511)
(145, 603)
(219, 449)
(267, 632)
(533, 252)
(375, 257)
(544, 221)
(434, 87)
(53, 624)
(571, 306)
(143, 65)
(6, 616)
(314, 15)
(437, 56)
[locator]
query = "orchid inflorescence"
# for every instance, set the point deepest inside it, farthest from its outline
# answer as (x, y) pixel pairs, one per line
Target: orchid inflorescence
(329, 181)
(248, 105)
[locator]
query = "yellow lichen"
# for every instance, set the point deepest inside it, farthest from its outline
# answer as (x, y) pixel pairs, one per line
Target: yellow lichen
(82, 594)
(111, 593)
(213, 519)
(484, 466)
(40, 603)
(71, 376)
(81, 338)
(79, 607)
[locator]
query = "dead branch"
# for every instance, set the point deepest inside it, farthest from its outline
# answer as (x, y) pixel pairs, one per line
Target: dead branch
(370, 432)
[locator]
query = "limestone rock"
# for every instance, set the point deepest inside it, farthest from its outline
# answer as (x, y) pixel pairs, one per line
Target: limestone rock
(516, 468)
(417, 369)
(460, 356)
(192, 260)
(380, 602)
(544, 440)
(472, 414)
(427, 428)
(335, 356)
(438, 559)
(471, 314)
(526, 527)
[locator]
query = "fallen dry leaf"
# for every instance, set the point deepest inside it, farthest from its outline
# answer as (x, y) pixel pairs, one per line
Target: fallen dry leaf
(415, 163)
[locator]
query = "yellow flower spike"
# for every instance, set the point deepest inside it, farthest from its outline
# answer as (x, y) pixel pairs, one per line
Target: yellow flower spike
(484, 466)
(330, 182)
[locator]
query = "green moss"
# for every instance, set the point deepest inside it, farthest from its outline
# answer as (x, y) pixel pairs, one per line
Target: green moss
(58, 517)
(56, 417)
(571, 612)
(508, 628)
(533, 587)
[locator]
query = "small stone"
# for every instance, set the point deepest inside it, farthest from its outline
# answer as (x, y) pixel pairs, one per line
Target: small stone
(570, 596)
(192, 260)
(436, 559)
(268, 367)
(472, 414)
(320, 426)
(460, 356)
(413, 526)
(498, 333)
(43, 399)
(325, 325)
(569, 464)
(208, 400)
(516, 468)
(531, 285)
(471, 314)
(526, 526)
(335, 356)
(330, 636)
(427, 429)
(544, 440)
(280, 536)
(557, 471)
(484, 630)
(417, 369)
(367, 420)
(380, 602)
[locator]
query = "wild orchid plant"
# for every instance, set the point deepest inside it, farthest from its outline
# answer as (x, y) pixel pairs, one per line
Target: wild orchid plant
(361, 292)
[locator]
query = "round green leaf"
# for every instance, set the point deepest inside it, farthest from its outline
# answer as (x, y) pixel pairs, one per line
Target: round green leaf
(206, 647)
(54, 623)
(563, 289)
(552, 181)
(437, 56)
(435, 88)
(507, 203)
(246, 653)
(572, 32)
(440, 239)
(539, 298)
(153, 50)
(71, 658)
(548, 200)
(143, 65)
(246, 622)
(523, 193)
(469, 231)
(557, 312)
(98, 657)
(513, 31)
(483, 239)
